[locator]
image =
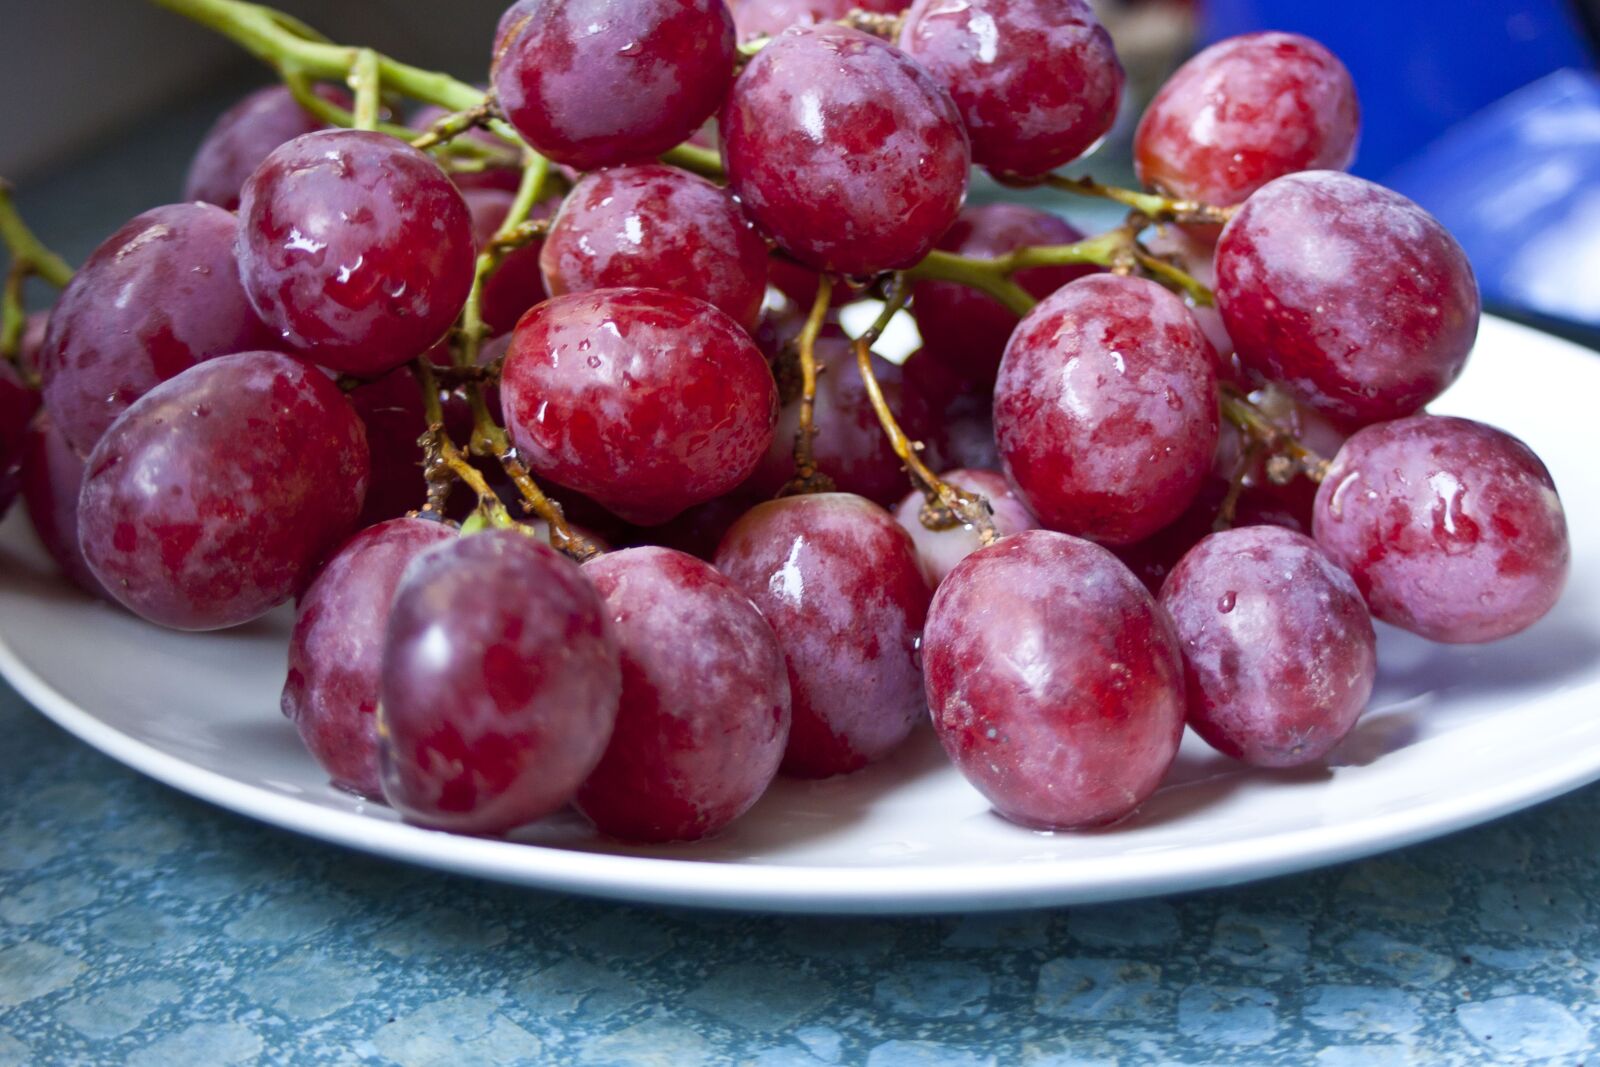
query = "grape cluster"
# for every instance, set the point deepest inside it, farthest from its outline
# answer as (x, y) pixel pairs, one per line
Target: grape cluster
(347, 369)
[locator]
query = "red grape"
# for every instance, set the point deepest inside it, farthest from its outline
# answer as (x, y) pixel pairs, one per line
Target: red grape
(1037, 81)
(657, 227)
(356, 247)
(1054, 679)
(1451, 529)
(839, 581)
(30, 353)
(645, 400)
(244, 136)
(499, 685)
(1348, 294)
(1105, 409)
(768, 18)
(967, 329)
(1278, 646)
(517, 283)
(336, 652)
(850, 446)
(597, 84)
(52, 477)
(158, 296)
(704, 714)
(391, 409)
(17, 405)
(849, 154)
(212, 498)
(1245, 111)
(941, 550)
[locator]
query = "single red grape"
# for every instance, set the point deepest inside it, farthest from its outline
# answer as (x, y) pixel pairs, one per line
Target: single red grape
(967, 329)
(391, 409)
(52, 478)
(657, 227)
(594, 83)
(17, 405)
(768, 18)
(1106, 410)
(158, 296)
(1278, 646)
(645, 400)
(1037, 81)
(336, 652)
(1245, 111)
(1054, 679)
(850, 446)
(356, 247)
(244, 136)
(214, 496)
(839, 581)
(499, 688)
(1451, 529)
(1348, 294)
(940, 550)
(844, 150)
(704, 714)
(517, 283)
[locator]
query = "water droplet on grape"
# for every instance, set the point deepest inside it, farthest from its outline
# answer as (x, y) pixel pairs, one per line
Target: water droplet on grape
(1226, 602)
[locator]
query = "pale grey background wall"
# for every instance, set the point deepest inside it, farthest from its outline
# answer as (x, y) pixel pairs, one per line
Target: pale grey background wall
(73, 71)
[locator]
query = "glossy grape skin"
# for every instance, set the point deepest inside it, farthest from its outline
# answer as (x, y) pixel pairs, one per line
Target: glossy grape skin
(1245, 111)
(158, 296)
(336, 650)
(838, 580)
(940, 550)
(499, 688)
(595, 83)
(768, 18)
(1054, 679)
(391, 411)
(657, 227)
(964, 327)
(517, 283)
(1105, 409)
(51, 479)
(1037, 81)
(704, 715)
(214, 496)
(850, 446)
(17, 405)
(356, 248)
(645, 400)
(1278, 647)
(244, 136)
(1348, 294)
(1451, 529)
(845, 151)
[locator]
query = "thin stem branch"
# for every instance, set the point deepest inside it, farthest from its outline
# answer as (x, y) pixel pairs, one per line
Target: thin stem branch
(366, 79)
(1258, 427)
(807, 479)
(27, 251)
(1153, 206)
(705, 162)
(946, 505)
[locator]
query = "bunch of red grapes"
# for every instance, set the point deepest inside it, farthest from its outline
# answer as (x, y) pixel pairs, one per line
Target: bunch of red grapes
(232, 419)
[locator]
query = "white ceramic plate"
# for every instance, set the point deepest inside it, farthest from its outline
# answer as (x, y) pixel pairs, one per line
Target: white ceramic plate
(1454, 736)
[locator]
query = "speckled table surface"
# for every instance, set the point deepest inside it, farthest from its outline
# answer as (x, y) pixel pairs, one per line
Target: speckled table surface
(139, 926)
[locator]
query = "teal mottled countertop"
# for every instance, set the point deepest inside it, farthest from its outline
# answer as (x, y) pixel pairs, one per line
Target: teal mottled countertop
(139, 926)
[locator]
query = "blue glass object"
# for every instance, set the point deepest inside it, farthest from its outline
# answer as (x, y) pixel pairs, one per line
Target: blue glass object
(1519, 186)
(1420, 66)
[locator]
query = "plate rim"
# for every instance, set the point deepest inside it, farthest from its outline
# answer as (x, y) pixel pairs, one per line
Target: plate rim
(817, 889)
